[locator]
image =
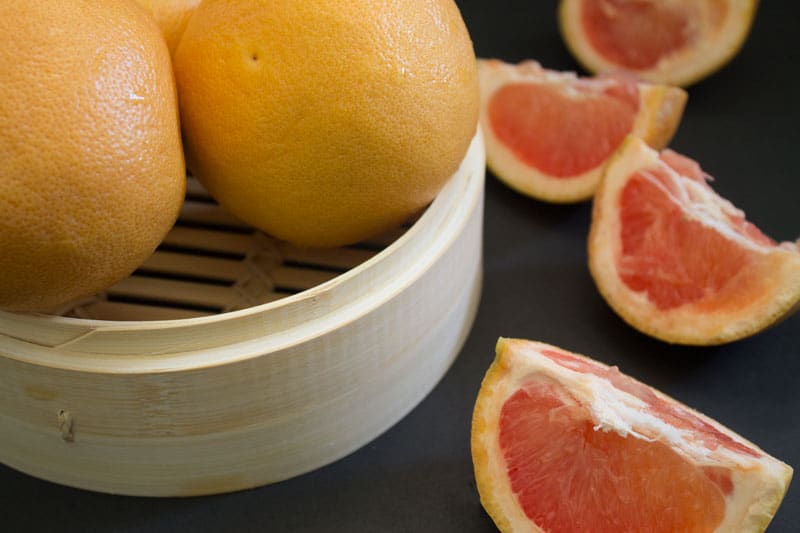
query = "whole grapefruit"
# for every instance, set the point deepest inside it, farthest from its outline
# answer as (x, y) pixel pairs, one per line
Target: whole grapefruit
(323, 123)
(91, 165)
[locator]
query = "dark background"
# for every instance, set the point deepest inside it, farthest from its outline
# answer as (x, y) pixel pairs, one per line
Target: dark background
(741, 124)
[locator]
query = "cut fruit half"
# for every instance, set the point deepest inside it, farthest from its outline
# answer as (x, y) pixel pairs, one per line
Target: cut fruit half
(677, 261)
(562, 443)
(675, 42)
(549, 133)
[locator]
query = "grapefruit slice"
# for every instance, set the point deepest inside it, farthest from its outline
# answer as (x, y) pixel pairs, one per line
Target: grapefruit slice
(677, 42)
(548, 133)
(562, 443)
(677, 261)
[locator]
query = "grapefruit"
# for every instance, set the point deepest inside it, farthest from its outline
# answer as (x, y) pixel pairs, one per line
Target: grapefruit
(679, 262)
(549, 133)
(324, 123)
(91, 166)
(678, 42)
(563, 443)
(172, 17)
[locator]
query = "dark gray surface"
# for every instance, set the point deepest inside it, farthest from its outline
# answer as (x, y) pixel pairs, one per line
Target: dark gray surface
(740, 124)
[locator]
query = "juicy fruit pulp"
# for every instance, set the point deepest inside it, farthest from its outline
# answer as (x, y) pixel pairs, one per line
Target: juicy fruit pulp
(678, 261)
(91, 165)
(562, 443)
(569, 131)
(549, 133)
(324, 123)
(677, 42)
(675, 259)
(545, 436)
(637, 35)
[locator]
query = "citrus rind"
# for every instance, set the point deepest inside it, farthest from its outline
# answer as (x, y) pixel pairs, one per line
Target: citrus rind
(760, 481)
(719, 42)
(172, 17)
(660, 111)
(776, 291)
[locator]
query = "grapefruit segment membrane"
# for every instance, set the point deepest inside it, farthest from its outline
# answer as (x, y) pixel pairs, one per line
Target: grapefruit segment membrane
(549, 133)
(679, 262)
(563, 443)
(678, 42)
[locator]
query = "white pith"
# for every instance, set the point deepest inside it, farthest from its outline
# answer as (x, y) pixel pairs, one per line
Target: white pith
(778, 266)
(657, 107)
(682, 68)
(759, 483)
(703, 205)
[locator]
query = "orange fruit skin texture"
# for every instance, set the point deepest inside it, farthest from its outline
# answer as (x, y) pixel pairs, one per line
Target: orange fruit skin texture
(172, 17)
(324, 123)
(91, 167)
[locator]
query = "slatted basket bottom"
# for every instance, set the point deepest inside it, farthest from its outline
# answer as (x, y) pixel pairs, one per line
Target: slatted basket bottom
(211, 263)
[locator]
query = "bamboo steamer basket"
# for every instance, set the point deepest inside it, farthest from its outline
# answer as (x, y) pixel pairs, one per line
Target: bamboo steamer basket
(230, 360)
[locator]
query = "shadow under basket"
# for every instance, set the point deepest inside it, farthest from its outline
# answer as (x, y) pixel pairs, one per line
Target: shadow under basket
(231, 360)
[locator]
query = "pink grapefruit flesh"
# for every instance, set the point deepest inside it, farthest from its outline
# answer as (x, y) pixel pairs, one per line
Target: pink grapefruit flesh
(563, 443)
(568, 130)
(549, 133)
(678, 261)
(638, 34)
(678, 42)
(674, 259)
(570, 477)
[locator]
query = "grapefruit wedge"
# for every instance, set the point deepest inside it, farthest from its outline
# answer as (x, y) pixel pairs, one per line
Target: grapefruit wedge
(677, 42)
(548, 133)
(677, 261)
(562, 443)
